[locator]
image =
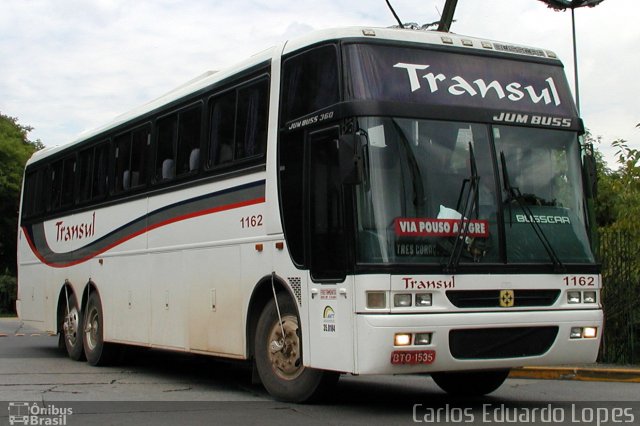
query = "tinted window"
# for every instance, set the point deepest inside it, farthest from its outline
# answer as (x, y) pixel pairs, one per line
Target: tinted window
(189, 130)
(253, 111)
(131, 156)
(166, 148)
(222, 110)
(55, 185)
(85, 164)
(310, 82)
(239, 120)
(34, 197)
(100, 178)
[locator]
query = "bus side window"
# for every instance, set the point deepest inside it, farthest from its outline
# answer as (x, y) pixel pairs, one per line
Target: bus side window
(68, 180)
(251, 127)
(189, 140)
(122, 154)
(55, 186)
(85, 162)
(100, 178)
(34, 194)
(166, 148)
(139, 153)
(222, 110)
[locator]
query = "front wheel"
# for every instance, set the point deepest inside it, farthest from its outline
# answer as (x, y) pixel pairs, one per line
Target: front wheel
(96, 350)
(278, 356)
(470, 383)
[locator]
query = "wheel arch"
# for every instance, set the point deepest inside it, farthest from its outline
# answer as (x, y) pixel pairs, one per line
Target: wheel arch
(89, 287)
(260, 296)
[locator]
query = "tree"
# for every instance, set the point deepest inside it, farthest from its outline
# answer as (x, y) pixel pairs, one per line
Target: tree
(617, 210)
(15, 150)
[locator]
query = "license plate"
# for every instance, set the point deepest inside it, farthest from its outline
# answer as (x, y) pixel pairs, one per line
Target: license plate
(413, 357)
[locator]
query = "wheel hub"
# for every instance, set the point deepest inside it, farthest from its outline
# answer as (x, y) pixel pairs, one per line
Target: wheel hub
(70, 326)
(92, 328)
(284, 350)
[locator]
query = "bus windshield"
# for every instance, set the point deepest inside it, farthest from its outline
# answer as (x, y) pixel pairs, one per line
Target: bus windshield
(437, 192)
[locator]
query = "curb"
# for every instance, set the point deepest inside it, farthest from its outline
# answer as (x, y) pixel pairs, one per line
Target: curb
(590, 374)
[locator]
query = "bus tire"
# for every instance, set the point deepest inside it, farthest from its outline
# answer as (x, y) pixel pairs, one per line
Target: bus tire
(279, 361)
(470, 383)
(95, 349)
(71, 334)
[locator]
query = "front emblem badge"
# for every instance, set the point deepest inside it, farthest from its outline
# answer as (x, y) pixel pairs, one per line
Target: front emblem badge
(507, 298)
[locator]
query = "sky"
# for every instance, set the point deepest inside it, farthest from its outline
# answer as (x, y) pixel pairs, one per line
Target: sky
(69, 66)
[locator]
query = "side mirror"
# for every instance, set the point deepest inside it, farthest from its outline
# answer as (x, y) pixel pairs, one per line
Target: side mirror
(590, 171)
(351, 156)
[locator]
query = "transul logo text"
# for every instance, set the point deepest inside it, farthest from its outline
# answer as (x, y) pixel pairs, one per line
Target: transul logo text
(458, 86)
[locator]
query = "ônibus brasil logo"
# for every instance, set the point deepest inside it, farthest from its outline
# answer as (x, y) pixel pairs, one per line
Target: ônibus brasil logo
(31, 413)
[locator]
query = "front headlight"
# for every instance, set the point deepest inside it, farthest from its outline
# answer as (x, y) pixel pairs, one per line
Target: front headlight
(424, 299)
(401, 300)
(376, 299)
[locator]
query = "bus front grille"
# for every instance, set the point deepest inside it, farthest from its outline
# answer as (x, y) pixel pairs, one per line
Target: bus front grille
(491, 298)
(497, 343)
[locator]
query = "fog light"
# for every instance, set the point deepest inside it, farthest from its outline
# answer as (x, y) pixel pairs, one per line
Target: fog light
(401, 300)
(589, 332)
(589, 297)
(576, 333)
(422, 339)
(573, 297)
(402, 339)
(423, 299)
(376, 300)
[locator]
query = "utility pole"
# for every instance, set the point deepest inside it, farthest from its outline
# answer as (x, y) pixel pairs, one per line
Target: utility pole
(573, 4)
(447, 15)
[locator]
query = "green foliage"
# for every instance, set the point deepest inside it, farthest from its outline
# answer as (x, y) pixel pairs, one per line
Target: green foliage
(620, 190)
(15, 150)
(8, 289)
(617, 212)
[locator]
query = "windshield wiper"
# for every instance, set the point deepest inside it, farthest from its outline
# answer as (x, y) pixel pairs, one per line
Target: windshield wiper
(470, 206)
(515, 194)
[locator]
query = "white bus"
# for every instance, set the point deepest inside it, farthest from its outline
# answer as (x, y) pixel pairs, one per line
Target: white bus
(356, 201)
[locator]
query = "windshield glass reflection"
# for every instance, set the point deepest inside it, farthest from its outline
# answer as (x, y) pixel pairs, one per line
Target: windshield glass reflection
(430, 194)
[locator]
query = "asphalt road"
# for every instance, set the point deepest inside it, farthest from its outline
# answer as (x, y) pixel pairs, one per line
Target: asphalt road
(151, 387)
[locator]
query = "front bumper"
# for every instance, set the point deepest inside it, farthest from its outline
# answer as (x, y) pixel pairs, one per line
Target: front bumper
(375, 343)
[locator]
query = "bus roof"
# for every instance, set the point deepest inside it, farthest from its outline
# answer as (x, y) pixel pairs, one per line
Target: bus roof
(362, 33)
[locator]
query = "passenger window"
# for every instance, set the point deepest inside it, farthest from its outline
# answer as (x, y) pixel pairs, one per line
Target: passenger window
(85, 163)
(139, 154)
(239, 120)
(55, 186)
(68, 180)
(100, 178)
(251, 127)
(222, 112)
(131, 159)
(166, 149)
(34, 195)
(189, 140)
(178, 147)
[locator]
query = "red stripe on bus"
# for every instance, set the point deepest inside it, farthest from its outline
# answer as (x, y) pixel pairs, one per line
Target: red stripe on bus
(205, 212)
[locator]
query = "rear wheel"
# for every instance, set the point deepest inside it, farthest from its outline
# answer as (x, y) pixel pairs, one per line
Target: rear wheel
(70, 335)
(96, 350)
(470, 383)
(278, 356)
